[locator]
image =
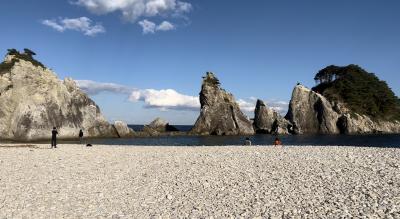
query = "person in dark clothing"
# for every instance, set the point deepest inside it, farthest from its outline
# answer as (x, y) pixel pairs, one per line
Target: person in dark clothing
(54, 134)
(80, 136)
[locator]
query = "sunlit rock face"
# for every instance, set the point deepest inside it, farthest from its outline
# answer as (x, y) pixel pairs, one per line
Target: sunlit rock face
(220, 114)
(33, 101)
(311, 113)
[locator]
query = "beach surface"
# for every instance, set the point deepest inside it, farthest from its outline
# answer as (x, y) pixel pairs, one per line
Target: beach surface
(74, 181)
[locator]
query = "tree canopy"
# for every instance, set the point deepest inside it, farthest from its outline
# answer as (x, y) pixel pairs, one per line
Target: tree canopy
(27, 56)
(361, 91)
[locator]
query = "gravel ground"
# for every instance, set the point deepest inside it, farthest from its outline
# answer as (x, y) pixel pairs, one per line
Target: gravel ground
(73, 181)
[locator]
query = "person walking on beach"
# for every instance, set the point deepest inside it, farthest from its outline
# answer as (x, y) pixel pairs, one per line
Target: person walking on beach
(80, 136)
(277, 142)
(247, 142)
(54, 134)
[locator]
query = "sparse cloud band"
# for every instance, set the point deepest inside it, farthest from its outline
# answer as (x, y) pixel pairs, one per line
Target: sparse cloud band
(169, 99)
(81, 24)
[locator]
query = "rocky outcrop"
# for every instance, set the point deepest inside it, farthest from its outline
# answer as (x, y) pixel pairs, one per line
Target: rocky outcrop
(123, 130)
(353, 123)
(311, 113)
(268, 121)
(161, 125)
(158, 127)
(220, 114)
(33, 100)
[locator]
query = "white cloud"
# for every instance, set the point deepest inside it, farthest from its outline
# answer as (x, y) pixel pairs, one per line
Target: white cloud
(94, 88)
(166, 99)
(151, 27)
(161, 99)
(81, 24)
(249, 105)
(246, 106)
(132, 10)
(147, 26)
(165, 26)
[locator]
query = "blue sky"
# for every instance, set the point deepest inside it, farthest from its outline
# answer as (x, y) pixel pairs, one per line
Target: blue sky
(128, 53)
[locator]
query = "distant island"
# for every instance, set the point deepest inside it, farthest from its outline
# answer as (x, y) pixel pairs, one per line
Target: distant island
(346, 100)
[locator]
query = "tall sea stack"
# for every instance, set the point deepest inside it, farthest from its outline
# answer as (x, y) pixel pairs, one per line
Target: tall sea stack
(220, 114)
(311, 113)
(33, 100)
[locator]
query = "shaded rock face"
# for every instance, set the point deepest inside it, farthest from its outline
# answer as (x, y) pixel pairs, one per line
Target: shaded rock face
(123, 130)
(311, 113)
(33, 100)
(220, 114)
(268, 121)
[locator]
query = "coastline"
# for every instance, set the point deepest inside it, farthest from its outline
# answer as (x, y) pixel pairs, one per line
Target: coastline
(74, 181)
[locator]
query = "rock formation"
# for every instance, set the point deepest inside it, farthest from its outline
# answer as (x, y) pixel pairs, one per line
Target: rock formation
(353, 123)
(158, 127)
(123, 130)
(311, 113)
(33, 100)
(268, 121)
(220, 114)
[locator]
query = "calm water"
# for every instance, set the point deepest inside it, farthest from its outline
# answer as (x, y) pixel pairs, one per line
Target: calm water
(344, 140)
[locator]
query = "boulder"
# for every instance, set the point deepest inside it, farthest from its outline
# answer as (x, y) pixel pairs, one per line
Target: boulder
(220, 114)
(158, 127)
(33, 100)
(161, 125)
(268, 121)
(311, 113)
(123, 130)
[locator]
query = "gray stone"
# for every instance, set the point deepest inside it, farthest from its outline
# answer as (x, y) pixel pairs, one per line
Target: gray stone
(220, 114)
(268, 121)
(33, 100)
(123, 130)
(311, 113)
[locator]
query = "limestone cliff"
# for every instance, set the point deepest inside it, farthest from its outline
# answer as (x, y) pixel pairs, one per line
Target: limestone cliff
(33, 100)
(268, 121)
(311, 113)
(220, 114)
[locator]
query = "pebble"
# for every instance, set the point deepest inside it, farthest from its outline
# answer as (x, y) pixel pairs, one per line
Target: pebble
(199, 182)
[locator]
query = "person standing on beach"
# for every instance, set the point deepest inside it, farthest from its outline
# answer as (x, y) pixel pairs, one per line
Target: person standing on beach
(247, 142)
(54, 134)
(80, 136)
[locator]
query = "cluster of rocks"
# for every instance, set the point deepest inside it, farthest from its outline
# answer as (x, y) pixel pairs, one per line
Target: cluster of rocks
(33, 100)
(309, 113)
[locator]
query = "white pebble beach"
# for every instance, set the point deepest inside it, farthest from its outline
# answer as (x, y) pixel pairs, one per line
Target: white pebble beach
(74, 181)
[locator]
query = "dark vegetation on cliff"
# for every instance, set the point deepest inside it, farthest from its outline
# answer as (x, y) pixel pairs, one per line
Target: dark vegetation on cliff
(27, 55)
(362, 92)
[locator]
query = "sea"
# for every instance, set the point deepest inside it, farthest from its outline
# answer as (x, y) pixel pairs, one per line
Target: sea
(385, 140)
